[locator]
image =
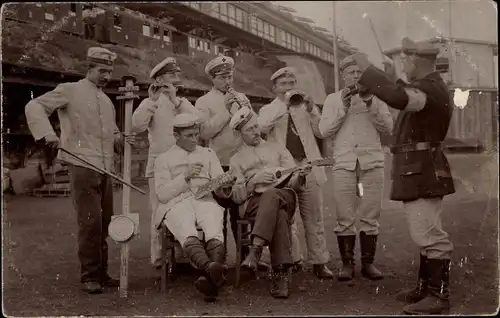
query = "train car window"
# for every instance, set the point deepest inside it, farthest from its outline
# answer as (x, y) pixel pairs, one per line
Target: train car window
(156, 32)
(49, 16)
(146, 30)
(117, 21)
(72, 9)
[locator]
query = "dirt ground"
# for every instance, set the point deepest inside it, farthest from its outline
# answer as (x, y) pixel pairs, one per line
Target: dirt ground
(40, 267)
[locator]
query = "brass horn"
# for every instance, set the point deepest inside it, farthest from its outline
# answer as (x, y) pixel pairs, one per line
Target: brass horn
(295, 98)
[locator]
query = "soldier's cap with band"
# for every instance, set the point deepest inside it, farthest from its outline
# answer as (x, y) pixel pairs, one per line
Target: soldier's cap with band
(240, 118)
(346, 62)
(101, 55)
(424, 49)
(282, 72)
(168, 65)
(186, 120)
(219, 66)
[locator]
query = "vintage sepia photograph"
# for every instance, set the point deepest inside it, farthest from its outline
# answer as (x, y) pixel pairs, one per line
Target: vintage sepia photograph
(250, 158)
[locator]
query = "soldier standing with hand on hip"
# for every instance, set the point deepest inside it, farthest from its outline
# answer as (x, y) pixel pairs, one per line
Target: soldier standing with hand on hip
(420, 171)
(88, 129)
(355, 120)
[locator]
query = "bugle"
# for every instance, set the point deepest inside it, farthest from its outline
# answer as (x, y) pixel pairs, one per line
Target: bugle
(239, 101)
(295, 98)
(155, 86)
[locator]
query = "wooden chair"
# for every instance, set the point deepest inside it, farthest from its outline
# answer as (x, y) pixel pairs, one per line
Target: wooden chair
(168, 251)
(244, 229)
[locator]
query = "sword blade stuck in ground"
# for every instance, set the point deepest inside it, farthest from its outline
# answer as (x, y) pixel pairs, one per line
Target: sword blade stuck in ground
(104, 171)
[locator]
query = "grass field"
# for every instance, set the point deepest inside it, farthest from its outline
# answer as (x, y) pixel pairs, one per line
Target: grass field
(40, 268)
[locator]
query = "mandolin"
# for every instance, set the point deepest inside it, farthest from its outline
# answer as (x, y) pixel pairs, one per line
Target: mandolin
(212, 185)
(284, 175)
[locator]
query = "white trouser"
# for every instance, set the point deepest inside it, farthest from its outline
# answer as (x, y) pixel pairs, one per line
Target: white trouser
(155, 233)
(183, 218)
(424, 223)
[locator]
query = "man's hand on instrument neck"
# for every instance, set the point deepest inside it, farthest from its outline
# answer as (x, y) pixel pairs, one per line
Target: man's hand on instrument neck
(305, 170)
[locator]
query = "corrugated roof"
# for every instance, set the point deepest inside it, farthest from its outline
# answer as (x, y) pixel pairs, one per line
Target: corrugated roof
(36, 47)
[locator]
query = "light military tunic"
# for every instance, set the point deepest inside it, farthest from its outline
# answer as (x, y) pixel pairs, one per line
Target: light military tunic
(157, 118)
(170, 185)
(250, 160)
(87, 118)
(273, 121)
(355, 133)
(215, 128)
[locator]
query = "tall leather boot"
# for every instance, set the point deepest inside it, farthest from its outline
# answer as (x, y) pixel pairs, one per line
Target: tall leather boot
(252, 260)
(437, 300)
(196, 253)
(368, 247)
(346, 248)
(217, 253)
(418, 293)
(280, 282)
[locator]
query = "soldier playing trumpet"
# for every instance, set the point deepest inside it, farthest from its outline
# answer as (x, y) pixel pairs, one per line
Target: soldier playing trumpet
(295, 127)
(156, 114)
(217, 107)
(355, 120)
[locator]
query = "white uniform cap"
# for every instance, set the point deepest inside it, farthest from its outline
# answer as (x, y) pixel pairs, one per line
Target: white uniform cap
(240, 118)
(101, 55)
(185, 120)
(168, 65)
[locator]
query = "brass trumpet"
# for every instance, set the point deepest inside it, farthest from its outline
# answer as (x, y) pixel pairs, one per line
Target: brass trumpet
(155, 87)
(239, 101)
(295, 98)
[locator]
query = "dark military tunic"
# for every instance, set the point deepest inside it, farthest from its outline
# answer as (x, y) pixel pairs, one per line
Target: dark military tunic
(419, 167)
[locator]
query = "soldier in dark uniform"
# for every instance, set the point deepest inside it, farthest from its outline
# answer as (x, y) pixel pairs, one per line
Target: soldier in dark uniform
(420, 171)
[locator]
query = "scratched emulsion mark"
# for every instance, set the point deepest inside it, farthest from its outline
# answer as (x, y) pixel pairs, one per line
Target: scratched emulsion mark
(47, 33)
(453, 46)
(460, 97)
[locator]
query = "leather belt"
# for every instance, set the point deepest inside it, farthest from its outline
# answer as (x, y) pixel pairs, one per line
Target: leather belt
(419, 146)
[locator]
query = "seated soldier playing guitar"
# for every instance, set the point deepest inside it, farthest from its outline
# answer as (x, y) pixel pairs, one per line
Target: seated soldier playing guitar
(269, 208)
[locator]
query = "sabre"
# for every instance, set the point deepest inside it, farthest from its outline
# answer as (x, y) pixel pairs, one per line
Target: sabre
(103, 171)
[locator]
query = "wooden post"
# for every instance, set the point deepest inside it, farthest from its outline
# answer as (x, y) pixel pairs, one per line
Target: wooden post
(128, 97)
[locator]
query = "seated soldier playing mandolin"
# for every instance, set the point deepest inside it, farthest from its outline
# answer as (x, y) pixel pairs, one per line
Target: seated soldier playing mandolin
(267, 201)
(178, 174)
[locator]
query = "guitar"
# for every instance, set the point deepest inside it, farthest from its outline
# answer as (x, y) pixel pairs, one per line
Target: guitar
(284, 175)
(212, 185)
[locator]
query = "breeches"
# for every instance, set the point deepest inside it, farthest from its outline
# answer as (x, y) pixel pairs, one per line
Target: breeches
(271, 214)
(182, 219)
(346, 197)
(311, 213)
(92, 195)
(155, 233)
(424, 223)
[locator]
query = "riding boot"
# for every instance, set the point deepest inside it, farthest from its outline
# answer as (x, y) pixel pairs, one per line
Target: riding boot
(368, 248)
(418, 293)
(252, 260)
(217, 253)
(196, 254)
(280, 282)
(437, 300)
(346, 248)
